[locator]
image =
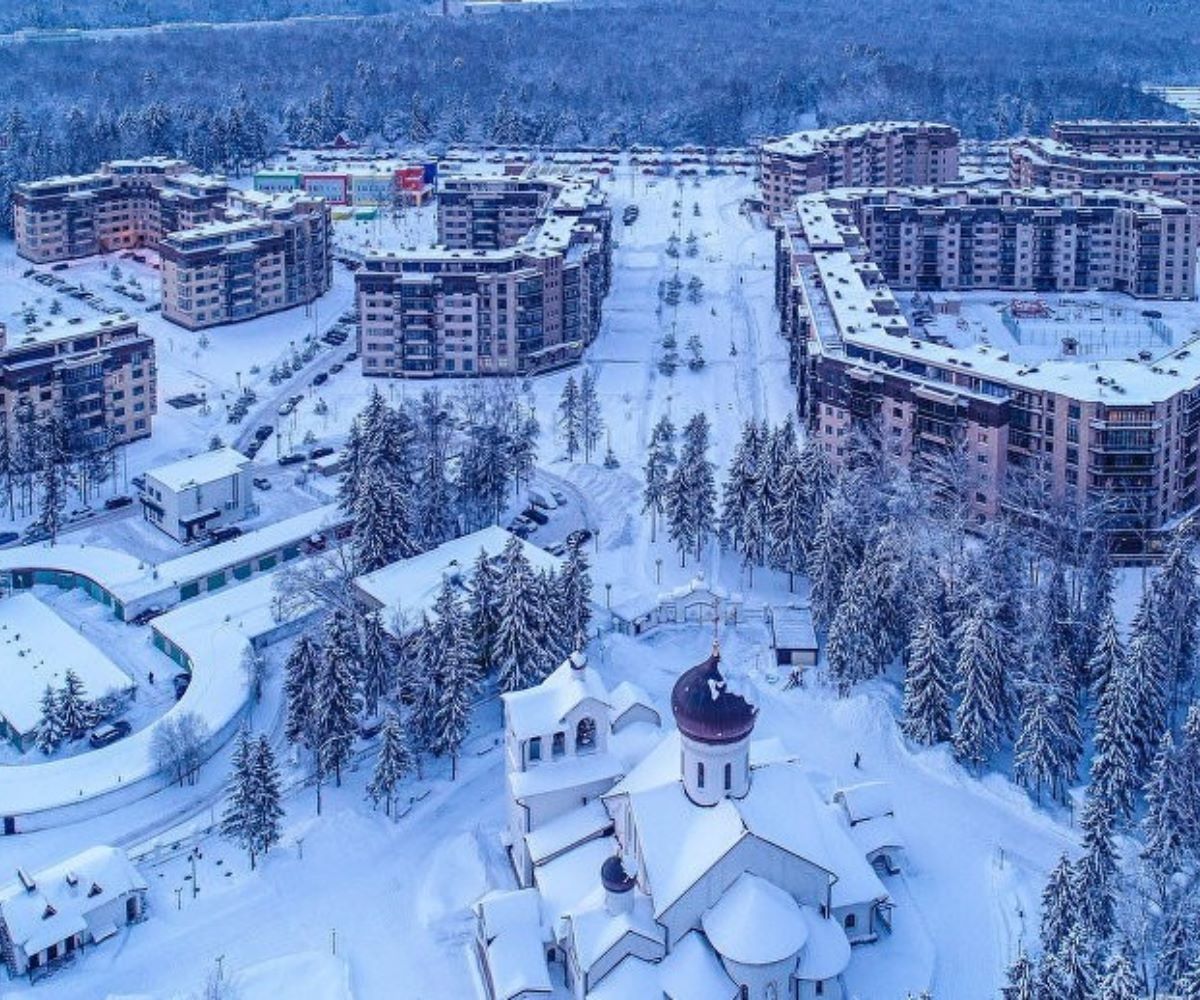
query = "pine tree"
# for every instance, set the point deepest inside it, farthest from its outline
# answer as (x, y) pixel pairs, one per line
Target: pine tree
(575, 598)
(835, 550)
(657, 472)
(396, 760)
(484, 611)
(570, 416)
(518, 635)
(74, 710)
(253, 813)
(980, 720)
(1114, 774)
(591, 423)
(1188, 987)
(52, 458)
(1163, 825)
(334, 723)
(381, 531)
(1148, 681)
(1119, 981)
(1075, 960)
(1189, 779)
(452, 674)
(1021, 984)
(1059, 905)
(691, 491)
(1178, 947)
(378, 662)
(787, 519)
(852, 653)
(741, 486)
(50, 730)
(926, 695)
(300, 681)
(1177, 601)
(1094, 876)
(1034, 754)
(237, 820)
(1107, 656)
(268, 807)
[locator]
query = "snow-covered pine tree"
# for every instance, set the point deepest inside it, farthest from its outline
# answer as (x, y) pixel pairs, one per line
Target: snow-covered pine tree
(333, 704)
(299, 686)
(1075, 961)
(434, 502)
(456, 694)
(691, 491)
(518, 634)
(557, 642)
(268, 809)
(657, 474)
(253, 811)
(852, 651)
(1163, 824)
(1189, 779)
(53, 460)
(377, 657)
(1178, 945)
(483, 613)
(575, 597)
(1051, 981)
(982, 686)
(662, 439)
(1095, 602)
(570, 417)
(237, 819)
(1188, 988)
(1065, 720)
(1107, 655)
(1149, 677)
(1059, 905)
(396, 760)
(1119, 981)
(381, 530)
(1114, 775)
(741, 486)
(353, 464)
(835, 550)
(1035, 759)
(50, 729)
(1021, 979)
(1094, 876)
(74, 710)
(1178, 611)
(926, 692)
(591, 422)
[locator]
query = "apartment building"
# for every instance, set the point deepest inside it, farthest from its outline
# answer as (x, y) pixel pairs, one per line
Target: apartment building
(1036, 162)
(1121, 430)
(100, 378)
(127, 203)
(875, 154)
(372, 183)
(1129, 138)
(499, 297)
(268, 252)
(1026, 240)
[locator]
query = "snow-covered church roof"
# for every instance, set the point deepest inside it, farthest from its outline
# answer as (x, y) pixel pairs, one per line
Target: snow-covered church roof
(755, 922)
(541, 709)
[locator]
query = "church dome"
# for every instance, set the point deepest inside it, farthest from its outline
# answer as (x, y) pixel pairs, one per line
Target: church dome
(707, 709)
(615, 876)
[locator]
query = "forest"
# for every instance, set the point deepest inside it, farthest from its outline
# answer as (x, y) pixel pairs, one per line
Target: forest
(653, 71)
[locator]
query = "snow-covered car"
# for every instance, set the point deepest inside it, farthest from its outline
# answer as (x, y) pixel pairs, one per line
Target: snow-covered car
(104, 735)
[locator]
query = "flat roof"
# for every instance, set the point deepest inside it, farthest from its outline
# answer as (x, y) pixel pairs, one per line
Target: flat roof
(206, 467)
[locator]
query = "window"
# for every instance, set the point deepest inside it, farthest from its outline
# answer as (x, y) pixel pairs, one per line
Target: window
(849, 922)
(700, 774)
(728, 776)
(559, 745)
(585, 734)
(535, 748)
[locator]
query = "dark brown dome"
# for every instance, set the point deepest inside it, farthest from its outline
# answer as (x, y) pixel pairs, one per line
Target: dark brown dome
(706, 710)
(614, 876)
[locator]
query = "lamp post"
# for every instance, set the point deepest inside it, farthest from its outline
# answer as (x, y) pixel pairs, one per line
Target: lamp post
(658, 570)
(608, 597)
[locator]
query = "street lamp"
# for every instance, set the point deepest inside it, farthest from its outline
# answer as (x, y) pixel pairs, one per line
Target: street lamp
(608, 597)
(658, 570)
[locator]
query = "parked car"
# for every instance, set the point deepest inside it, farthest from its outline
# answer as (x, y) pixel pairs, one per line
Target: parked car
(262, 483)
(226, 534)
(146, 615)
(578, 538)
(181, 683)
(316, 543)
(264, 432)
(320, 452)
(252, 448)
(320, 378)
(62, 265)
(295, 458)
(8, 537)
(535, 515)
(104, 735)
(285, 407)
(542, 500)
(352, 356)
(139, 482)
(335, 368)
(116, 503)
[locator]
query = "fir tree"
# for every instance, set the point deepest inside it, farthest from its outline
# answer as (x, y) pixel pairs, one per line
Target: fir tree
(570, 416)
(1021, 983)
(74, 710)
(334, 723)
(1034, 754)
(741, 487)
(518, 633)
(1119, 981)
(836, 549)
(1114, 774)
(575, 597)
(1094, 876)
(787, 519)
(452, 674)
(1163, 824)
(691, 491)
(657, 473)
(1189, 779)
(591, 423)
(50, 730)
(483, 611)
(1178, 947)
(253, 813)
(1107, 656)
(395, 761)
(1059, 905)
(300, 681)
(1075, 962)
(378, 662)
(980, 720)
(926, 695)
(1188, 987)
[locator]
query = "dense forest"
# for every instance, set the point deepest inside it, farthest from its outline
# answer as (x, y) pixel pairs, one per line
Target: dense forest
(658, 71)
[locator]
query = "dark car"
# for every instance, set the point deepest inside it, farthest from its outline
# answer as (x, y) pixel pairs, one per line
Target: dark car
(264, 432)
(334, 369)
(146, 615)
(578, 538)
(535, 515)
(252, 448)
(295, 458)
(225, 534)
(116, 503)
(8, 537)
(61, 266)
(320, 378)
(181, 683)
(320, 452)
(102, 736)
(262, 483)
(352, 356)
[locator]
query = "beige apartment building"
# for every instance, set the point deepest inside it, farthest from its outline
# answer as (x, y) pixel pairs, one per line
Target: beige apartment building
(99, 377)
(872, 154)
(516, 288)
(266, 253)
(1125, 431)
(127, 203)
(1129, 138)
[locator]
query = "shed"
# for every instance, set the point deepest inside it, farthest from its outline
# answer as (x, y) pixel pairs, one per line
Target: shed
(793, 636)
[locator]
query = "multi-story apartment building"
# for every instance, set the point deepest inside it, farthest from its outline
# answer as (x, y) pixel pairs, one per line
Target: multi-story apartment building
(1171, 168)
(1124, 431)
(500, 297)
(1133, 138)
(872, 154)
(269, 252)
(99, 378)
(127, 203)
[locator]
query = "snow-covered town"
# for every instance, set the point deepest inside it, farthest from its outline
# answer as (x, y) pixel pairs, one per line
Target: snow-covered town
(462, 553)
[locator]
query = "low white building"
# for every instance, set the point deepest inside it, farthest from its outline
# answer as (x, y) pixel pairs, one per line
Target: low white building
(49, 916)
(710, 866)
(190, 498)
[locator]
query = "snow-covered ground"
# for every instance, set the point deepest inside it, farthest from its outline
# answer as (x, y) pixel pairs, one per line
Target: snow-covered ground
(392, 896)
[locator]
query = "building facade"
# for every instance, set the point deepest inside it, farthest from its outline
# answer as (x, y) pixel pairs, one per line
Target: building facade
(267, 253)
(1121, 431)
(127, 203)
(99, 378)
(190, 498)
(874, 154)
(516, 288)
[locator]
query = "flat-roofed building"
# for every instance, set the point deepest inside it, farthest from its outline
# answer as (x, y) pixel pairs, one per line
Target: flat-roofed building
(866, 154)
(490, 301)
(99, 378)
(191, 497)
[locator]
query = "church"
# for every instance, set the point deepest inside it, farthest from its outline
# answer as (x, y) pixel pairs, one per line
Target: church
(695, 864)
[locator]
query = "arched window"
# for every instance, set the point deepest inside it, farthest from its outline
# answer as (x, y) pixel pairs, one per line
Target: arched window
(728, 776)
(699, 774)
(585, 735)
(849, 922)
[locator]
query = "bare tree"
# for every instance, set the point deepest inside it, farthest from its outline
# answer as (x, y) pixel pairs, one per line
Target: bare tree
(177, 746)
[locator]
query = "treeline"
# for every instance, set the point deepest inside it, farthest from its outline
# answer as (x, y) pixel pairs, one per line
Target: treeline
(641, 71)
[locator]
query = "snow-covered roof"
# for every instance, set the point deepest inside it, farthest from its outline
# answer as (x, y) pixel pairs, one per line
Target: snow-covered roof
(792, 628)
(876, 835)
(36, 648)
(199, 470)
(827, 950)
(568, 772)
(410, 586)
(567, 831)
(571, 883)
(625, 696)
(596, 930)
(694, 972)
(516, 958)
(866, 800)
(755, 922)
(816, 140)
(541, 709)
(64, 895)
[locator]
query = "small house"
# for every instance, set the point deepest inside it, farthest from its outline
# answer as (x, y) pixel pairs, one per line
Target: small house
(794, 638)
(190, 498)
